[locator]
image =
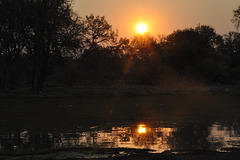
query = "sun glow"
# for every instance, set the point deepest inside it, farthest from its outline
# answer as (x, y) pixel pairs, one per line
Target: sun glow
(142, 28)
(141, 129)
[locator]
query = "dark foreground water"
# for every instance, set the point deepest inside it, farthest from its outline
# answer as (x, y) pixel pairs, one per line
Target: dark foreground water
(111, 127)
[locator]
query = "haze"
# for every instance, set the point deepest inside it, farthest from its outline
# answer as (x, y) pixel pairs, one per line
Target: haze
(162, 16)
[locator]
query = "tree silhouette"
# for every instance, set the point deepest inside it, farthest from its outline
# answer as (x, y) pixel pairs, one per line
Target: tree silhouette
(39, 28)
(143, 45)
(52, 23)
(232, 47)
(209, 37)
(39, 38)
(97, 32)
(13, 39)
(231, 54)
(236, 18)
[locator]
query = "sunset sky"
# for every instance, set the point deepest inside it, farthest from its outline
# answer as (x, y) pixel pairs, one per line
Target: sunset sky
(161, 16)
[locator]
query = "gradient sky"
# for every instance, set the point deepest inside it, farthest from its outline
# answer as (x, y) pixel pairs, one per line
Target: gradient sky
(162, 16)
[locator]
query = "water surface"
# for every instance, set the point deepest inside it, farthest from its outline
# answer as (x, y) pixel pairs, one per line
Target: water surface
(116, 126)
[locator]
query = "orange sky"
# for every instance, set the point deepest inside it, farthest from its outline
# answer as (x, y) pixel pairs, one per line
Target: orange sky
(162, 16)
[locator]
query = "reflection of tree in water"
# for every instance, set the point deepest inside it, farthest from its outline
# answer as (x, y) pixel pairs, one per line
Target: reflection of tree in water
(224, 135)
(124, 133)
(191, 136)
(127, 137)
(40, 141)
(187, 136)
(153, 138)
(24, 142)
(144, 139)
(9, 140)
(147, 137)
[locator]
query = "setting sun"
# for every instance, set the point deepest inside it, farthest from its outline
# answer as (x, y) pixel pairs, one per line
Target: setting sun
(142, 28)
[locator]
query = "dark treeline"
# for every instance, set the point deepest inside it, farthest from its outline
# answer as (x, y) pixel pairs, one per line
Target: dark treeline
(44, 43)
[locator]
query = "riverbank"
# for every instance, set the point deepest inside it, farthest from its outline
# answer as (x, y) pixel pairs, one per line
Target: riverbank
(122, 90)
(197, 155)
(187, 156)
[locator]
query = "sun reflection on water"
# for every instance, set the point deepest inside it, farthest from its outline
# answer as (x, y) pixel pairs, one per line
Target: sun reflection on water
(138, 136)
(218, 136)
(141, 128)
(153, 138)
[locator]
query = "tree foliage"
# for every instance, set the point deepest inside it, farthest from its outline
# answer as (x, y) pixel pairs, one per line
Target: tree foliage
(39, 28)
(45, 42)
(236, 17)
(97, 33)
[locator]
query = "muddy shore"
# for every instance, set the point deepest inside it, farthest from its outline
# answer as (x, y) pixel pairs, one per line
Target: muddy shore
(197, 155)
